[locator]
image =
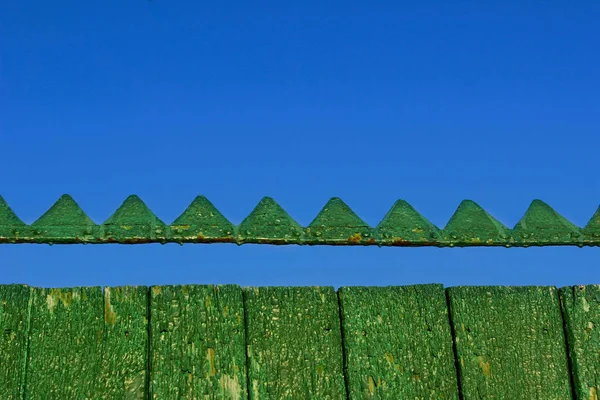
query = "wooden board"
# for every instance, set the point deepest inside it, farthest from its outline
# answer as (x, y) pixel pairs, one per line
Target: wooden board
(509, 343)
(14, 320)
(294, 343)
(397, 343)
(581, 311)
(197, 342)
(84, 343)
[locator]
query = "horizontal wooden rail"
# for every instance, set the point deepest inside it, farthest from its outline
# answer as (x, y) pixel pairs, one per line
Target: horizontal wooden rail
(336, 224)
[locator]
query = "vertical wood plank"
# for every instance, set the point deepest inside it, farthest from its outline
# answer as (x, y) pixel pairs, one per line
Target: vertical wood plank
(14, 320)
(397, 343)
(510, 343)
(86, 344)
(294, 343)
(124, 373)
(197, 342)
(581, 311)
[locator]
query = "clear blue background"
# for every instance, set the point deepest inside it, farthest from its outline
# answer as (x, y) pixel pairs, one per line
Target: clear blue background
(367, 100)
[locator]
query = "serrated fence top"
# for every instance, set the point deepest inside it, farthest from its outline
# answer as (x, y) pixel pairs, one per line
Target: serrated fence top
(336, 224)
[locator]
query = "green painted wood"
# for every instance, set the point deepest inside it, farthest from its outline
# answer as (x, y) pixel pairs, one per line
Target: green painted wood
(294, 343)
(336, 223)
(509, 343)
(11, 226)
(202, 222)
(134, 222)
(472, 225)
(542, 224)
(86, 344)
(581, 311)
(397, 343)
(197, 342)
(403, 225)
(591, 231)
(64, 222)
(269, 222)
(14, 321)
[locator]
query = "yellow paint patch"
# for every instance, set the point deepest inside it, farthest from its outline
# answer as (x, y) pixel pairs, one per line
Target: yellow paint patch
(109, 314)
(210, 356)
(593, 394)
(156, 290)
(485, 366)
(389, 357)
(208, 302)
(586, 306)
(371, 385)
(126, 227)
(231, 386)
(51, 302)
(65, 296)
(357, 237)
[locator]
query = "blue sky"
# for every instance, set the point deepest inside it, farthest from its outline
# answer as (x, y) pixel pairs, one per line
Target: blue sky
(369, 101)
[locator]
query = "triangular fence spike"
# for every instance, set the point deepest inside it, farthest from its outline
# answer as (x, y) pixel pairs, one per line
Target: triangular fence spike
(405, 226)
(269, 223)
(202, 222)
(336, 223)
(471, 225)
(134, 222)
(11, 226)
(542, 225)
(591, 231)
(64, 222)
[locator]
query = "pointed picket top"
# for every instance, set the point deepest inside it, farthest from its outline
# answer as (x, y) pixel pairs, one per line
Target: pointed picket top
(65, 212)
(202, 222)
(403, 225)
(134, 222)
(542, 225)
(11, 226)
(8, 216)
(269, 223)
(64, 222)
(336, 223)
(592, 229)
(472, 225)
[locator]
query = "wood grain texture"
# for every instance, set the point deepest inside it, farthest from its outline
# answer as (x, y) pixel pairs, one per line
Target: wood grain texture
(86, 344)
(14, 320)
(510, 343)
(581, 311)
(294, 343)
(197, 342)
(397, 343)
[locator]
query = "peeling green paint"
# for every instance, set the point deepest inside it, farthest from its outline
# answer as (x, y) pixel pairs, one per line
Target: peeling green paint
(202, 222)
(336, 223)
(471, 224)
(222, 342)
(269, 223)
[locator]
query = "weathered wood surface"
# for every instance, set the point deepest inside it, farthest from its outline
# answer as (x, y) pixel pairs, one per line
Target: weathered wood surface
(294, 343)
(86, 344)
(397, 343)
(197, 342)
(510, 343)
(14, 319)
(581, 310)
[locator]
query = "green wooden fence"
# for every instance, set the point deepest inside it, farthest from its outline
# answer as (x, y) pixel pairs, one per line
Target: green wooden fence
(225, 342)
